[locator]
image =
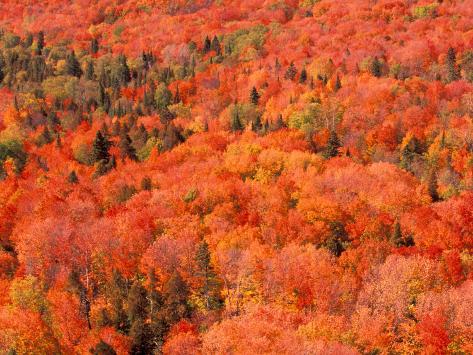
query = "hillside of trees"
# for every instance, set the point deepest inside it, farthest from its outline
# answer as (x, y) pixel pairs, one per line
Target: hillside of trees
(236, 177)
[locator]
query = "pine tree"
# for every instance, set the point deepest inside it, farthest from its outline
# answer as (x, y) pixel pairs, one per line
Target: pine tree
(94, 46)
(176, 293)
(254, 96)
(235, 122)
(45, 137)
(452, 70)
(257, 125)
(72, 178)
(124, 75)
(376, 67)
(303, 76)
(210, 288)
(28, 40)
(116, 292)
(177, 96)
(73, 65)
(338, 84)
(207, 45)
(102, 348)
(40, 43)
(137, 303)
(279, 123)
(101, 148)
(396, 237)
(89, 73)
(126, 148)
(146, 183)
(433, 186)
(291, 72)
(333, 145)
(215, 45)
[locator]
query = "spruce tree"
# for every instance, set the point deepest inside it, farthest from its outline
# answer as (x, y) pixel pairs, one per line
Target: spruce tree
(45, 137)
(338, 84)
(73, 65)
(124, 75)
(94, 46)
(333, 145)
(452, 71)
(72, 178)
(176, 293)
(210, 285)
(376, 67)
(291, 72)
(303, 76)
(89, 73)
(215, 45)
(177, 96)
(146, 183)
(254, 96)
(396, 237)
(126, 148)
(40, 43)
(102, 348)
(235, 122)
(28, 40)
(207, 45)
(101, 148)
(433, 186)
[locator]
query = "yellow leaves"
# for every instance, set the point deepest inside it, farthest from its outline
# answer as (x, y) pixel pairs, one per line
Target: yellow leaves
(27, 294)
(11, 117)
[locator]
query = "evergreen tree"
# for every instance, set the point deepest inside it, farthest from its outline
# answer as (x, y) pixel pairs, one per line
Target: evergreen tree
(177, 96)
(207, 45)
(146, 183)
(303, 76)
(158, 322)
(89, 73)
(235, 122)
(210, 285)
(28, 40)
(163, 97)
(336, 243)
(77, 287)
(338, 84)
(291, 72)
(257, 126)
(102, 348)
(433, 186)
(40, 43)
(279, 123)
(396, 237)
(73, 65)
(376, 67)
(124, 75)
(254, 96)
(45, 137)
(137, 303)
(452, 70)
(126, 148)
(333, 145)
(116, 128)
(52, 120)
(2, 68)
(116, 292)
(101, 148)
(176, 293)
(94, 46)
(215, 45)
(72, 178)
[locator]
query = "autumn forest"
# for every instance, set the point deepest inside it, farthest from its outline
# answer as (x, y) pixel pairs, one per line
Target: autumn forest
(236, 177)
